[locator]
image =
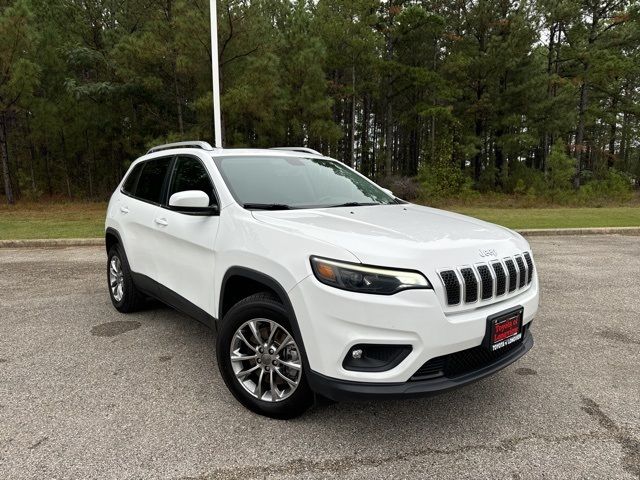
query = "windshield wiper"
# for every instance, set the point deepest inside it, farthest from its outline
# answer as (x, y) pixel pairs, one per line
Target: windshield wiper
(267, 206)
(353, 204)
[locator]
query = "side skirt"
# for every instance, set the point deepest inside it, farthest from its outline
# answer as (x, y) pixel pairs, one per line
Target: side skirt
(158, 291)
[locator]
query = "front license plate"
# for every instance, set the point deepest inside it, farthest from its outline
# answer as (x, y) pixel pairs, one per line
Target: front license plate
(505, 329)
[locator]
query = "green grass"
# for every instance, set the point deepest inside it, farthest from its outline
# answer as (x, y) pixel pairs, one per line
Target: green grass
(86, 219)
(520, 218)
(52, 220)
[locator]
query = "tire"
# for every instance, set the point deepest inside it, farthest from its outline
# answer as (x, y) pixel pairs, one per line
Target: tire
(276, 397)
(131, 299)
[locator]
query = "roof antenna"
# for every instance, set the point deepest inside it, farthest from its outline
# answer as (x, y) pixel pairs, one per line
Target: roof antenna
(215, 74)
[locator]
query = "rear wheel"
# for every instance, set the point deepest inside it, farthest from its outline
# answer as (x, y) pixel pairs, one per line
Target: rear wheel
(124, 295)
(260, 360)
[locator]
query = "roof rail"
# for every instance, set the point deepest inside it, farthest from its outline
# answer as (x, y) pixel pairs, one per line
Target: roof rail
(298, 149)
(189, 144)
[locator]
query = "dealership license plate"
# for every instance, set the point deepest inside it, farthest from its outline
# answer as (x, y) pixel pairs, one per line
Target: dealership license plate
(505, 330)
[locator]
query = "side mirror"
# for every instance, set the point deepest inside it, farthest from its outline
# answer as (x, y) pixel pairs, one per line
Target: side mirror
(388, 192)
(193, 202)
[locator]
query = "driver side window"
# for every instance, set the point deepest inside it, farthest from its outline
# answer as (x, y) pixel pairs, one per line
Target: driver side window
(191, 174)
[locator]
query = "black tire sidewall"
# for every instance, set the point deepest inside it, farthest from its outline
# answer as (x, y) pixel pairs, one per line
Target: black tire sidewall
(290, 407)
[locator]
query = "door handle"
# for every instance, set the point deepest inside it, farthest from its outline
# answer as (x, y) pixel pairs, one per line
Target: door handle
(124, 209)
(161, 221)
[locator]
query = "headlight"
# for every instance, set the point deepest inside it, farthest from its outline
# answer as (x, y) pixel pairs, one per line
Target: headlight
(359, 278)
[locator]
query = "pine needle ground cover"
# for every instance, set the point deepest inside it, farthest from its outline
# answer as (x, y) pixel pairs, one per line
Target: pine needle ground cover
(86, 219)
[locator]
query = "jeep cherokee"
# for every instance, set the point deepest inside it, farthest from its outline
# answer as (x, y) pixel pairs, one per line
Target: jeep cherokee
(316, 279)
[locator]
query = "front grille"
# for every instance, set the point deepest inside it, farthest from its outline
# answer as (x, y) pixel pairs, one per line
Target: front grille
(463, 362)
(485, 281)
(474, 359)
(523, 272)
(452, 286)
(470, 285)
(501, 278)
(527, 257)
(432, 369)
(513, 274)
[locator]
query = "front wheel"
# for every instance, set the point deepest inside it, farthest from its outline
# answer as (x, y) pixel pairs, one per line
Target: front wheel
(260, 360)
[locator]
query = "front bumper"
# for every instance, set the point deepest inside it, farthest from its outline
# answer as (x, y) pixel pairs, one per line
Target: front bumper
(340, 390)
(332, 321)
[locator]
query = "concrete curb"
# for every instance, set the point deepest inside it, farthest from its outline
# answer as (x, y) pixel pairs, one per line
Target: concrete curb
(52, 242)
(532, 232)
(548, 232)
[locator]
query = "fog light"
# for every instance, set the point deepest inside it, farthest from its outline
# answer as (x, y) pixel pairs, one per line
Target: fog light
(371, 357)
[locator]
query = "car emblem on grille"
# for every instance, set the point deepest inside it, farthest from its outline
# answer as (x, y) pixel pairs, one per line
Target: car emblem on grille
(488, 252)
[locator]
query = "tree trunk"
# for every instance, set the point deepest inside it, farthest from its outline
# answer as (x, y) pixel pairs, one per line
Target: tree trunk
(624, 141)
(178, 98)
(477, 160)
(374, 152)
(223, 128)
(4, 155)
(497, 147)
(63, 144)
(414, 150)
(352, 127)
(582, 108)
(388, 138)
(364, 143)
(32, 153)
(584, 100)
(47, 164)
(612, 132)
(546, 140)
(90, 161)
(432, 129)
(456, 157)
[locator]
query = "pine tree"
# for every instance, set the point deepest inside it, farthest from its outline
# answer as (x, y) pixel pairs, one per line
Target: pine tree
(19, 76)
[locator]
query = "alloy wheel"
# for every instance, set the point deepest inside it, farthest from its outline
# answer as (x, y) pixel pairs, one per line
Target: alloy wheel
(266, 360)
(116, 278)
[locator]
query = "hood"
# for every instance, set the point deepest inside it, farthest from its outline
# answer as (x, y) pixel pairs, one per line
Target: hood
(404, 236)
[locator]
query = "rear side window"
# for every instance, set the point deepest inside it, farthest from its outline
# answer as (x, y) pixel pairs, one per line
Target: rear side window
(151, 179)
(191, 174)
(130, 183)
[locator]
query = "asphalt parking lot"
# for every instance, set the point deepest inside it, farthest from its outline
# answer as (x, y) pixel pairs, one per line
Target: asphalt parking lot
(86, 392)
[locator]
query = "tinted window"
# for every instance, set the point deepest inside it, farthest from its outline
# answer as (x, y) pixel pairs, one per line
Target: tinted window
(151, 179)
(190, 174)
(130, 183)
(297, 182)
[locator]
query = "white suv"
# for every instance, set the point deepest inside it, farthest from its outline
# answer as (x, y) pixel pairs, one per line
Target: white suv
(316, 279)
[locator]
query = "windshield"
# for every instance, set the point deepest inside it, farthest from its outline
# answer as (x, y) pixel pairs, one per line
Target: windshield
(296, 182)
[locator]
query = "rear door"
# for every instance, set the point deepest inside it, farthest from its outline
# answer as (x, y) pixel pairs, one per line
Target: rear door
(186, 241)
(138, 214)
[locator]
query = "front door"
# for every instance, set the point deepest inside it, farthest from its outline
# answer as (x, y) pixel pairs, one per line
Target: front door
(186, 259)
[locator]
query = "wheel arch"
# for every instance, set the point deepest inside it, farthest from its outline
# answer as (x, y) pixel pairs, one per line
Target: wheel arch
(112, 237)
(234, 278)
(253, 281)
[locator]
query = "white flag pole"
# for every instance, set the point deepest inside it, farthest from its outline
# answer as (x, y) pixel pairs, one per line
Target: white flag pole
(217, 118)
